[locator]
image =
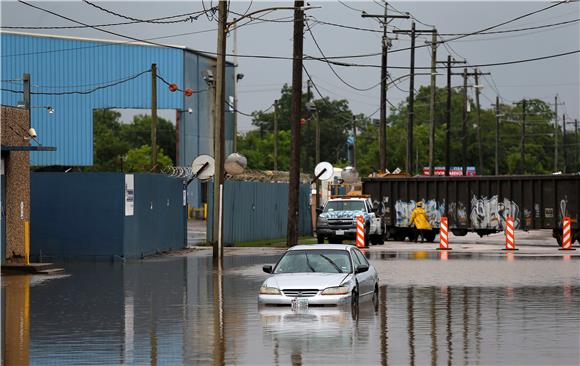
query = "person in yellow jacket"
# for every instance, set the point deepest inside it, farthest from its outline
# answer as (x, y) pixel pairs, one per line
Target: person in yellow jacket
(419, 219)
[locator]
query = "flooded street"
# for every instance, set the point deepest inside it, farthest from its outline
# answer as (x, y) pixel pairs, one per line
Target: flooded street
(434, 308)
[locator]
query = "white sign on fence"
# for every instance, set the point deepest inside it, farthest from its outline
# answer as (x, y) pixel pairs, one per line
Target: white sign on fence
(129, 194)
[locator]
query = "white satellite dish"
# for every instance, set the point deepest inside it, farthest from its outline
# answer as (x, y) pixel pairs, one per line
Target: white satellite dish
(203, 167)
(323, 171)
(235, 164)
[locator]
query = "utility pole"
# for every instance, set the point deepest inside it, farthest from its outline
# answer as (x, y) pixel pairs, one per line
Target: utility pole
(153, 118)
(556, 125)
(432, 102)
(523, 143)
(576, 144)
(235, 115)
(564, 143)
(497, 115)
(411, 110)
(464, 138)
(480, 168)
(276, 134)
(218, 179)
(354, 141)
(448, 112)
(385, 44)
(293, 186)
(308, 134)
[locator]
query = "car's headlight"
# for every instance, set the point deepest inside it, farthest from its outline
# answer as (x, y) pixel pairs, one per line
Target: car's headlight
(322, 220)
(269, 291)
(340, 290)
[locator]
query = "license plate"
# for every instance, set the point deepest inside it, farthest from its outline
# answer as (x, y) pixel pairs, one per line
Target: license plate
(339, 232)
(299, 303)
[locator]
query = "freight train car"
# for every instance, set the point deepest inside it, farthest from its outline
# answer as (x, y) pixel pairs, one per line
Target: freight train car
(477, 204)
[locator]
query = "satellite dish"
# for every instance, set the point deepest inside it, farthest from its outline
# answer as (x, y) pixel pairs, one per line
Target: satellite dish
(349, 175)
(235, 164)
(323, 170)
(203, 167)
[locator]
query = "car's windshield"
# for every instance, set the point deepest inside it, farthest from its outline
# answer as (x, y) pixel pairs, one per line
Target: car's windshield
(344, 206)
(321, 261)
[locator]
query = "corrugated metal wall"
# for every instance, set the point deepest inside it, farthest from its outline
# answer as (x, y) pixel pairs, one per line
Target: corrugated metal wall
(259, 211)
(82, 215)
(59, 65)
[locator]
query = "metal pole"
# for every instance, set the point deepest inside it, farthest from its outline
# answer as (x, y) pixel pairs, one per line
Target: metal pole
(478, 116)
(523, 140)
(576, 144)
(432, 104)
(153, 118)
(464, 138)
(276, 134)
(411, 106)
(448, 109)
(497, 111)
(294, 182)
(219, 129)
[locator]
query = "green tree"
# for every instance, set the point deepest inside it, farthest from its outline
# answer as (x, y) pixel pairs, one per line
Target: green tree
(138, 133)
(139, 159)
(108, 145)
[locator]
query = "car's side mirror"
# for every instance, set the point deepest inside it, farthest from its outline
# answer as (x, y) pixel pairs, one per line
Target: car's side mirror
(319, 210)
(268, 268)
(362, 268)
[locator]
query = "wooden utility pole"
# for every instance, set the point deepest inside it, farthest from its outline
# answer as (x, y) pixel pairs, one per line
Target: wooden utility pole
(385, 45)
(219, 140)
(26, 92)
(448, 112)
(276, 134)
(433, 97)
(235, 114)
(464, 137)
(497, 115)
(411, 110)
(556, 133)
(477, 87)
(153, 118)
(354, 141)
(576, 144)
(564, 143)
(293, 186)
(523, 139)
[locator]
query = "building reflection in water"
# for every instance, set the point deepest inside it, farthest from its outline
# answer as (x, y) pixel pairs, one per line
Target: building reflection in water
(16, 320)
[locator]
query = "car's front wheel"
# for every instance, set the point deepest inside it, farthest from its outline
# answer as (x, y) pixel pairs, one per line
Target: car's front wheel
(320, 239)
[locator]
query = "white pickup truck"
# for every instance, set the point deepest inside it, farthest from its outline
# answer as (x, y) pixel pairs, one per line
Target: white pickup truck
(337, 220)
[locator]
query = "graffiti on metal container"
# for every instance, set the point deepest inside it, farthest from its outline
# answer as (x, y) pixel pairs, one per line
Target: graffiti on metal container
(563, 207)
(491, 213)
(404, 209)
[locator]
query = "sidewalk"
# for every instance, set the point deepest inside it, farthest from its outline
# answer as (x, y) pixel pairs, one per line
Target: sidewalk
(196, 232)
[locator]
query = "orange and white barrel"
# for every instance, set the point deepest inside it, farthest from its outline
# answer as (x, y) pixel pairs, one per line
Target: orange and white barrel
(360, 231)
(567, 234)
(510, 239)
(444, 234)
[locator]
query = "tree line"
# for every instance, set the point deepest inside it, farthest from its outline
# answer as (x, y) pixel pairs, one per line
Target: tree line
(336, 126)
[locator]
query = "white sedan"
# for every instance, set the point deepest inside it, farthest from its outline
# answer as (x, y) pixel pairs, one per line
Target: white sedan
(324, 274)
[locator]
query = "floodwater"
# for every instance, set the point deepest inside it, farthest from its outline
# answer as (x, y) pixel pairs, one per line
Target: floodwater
(434, 308)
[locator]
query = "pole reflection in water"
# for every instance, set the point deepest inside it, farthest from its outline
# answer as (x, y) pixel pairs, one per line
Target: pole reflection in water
(410, 325)
(152, 334)
(384, 327)
(478, 325)
(449, 332)
(433, 327)
(16, 341)
(219, 347)
(465, 326)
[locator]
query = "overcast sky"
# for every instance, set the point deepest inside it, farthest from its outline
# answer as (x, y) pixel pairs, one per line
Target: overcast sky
(264, 77)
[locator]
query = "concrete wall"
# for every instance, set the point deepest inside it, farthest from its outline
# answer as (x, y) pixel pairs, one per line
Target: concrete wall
(15, 124)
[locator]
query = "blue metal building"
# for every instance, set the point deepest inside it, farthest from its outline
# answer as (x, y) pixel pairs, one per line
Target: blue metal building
(61, 65)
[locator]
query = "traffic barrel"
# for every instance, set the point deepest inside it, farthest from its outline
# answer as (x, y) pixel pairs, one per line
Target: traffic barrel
(444, 234)
(510, 239)
(567, 234)
(360, 231)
